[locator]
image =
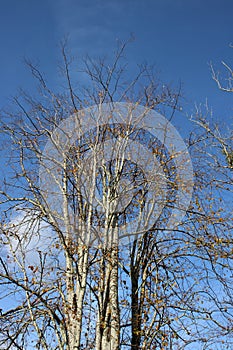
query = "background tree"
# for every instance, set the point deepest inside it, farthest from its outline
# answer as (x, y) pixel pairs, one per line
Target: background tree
(66, 282)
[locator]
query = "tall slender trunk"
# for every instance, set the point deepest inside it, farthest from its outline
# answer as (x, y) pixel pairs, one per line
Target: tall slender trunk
(76, 255)
(135, 299)
(76, 287)
(108, 323)
(135, 311)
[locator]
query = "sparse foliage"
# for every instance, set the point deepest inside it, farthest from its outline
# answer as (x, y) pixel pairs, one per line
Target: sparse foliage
(167, 288)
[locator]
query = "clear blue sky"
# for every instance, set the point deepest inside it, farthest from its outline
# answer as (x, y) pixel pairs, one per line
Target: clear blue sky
(179, 36)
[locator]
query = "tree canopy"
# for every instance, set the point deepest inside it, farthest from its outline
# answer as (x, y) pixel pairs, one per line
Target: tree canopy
(115, 233)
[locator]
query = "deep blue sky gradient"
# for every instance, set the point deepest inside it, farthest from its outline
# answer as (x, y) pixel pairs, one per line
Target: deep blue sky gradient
(180, 37)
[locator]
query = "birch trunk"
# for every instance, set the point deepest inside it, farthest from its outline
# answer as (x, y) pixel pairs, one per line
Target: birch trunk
(108, 323)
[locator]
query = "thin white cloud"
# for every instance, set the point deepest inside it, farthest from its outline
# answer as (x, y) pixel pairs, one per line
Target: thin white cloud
(91, 26)
(29, 237)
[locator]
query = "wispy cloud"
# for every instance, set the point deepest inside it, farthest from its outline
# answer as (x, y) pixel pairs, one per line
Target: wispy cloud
(29, 237)
(91, 25)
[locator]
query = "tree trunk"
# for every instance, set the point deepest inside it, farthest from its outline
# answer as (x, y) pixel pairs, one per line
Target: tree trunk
(108, 324)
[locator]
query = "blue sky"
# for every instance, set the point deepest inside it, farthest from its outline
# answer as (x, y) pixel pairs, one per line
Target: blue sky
(180, 37)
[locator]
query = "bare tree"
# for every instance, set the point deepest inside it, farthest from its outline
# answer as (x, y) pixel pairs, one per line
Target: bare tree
(101, 247)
